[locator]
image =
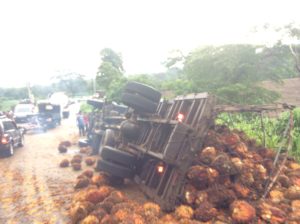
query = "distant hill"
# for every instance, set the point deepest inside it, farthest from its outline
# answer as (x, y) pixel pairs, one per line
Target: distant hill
(289, 89)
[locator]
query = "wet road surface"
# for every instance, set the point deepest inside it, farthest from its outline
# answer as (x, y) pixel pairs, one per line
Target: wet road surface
(33, 189)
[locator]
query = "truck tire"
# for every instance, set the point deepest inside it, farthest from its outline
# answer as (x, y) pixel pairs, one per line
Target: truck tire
(114, 169)
(96, 142)
(143, 90)
(124, 158)
(139, 103)
(108, 139)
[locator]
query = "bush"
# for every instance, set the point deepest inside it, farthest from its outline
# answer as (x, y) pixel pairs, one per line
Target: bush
(86, 108)
(250, 123)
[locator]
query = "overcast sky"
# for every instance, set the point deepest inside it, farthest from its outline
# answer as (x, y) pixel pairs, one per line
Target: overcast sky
(40, 39)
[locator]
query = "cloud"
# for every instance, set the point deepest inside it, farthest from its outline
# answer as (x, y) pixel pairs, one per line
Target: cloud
(39, 38)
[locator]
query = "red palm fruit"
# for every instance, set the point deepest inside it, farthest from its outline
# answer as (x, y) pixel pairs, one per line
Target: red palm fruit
(88, 173)
(66, 143)
(207, 155)
(90, 219)
(90, 161)
(82, 182)
(184, 212)
(76, 166)
(270, 213)
(205, 212)
(293, 193)
(64, 163)
(100, 179)
(242, 212)
(62, 149)
(241, 190)
(231, 139)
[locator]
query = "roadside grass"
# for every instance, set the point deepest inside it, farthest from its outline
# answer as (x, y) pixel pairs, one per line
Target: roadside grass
(273, 134)
(6, 105)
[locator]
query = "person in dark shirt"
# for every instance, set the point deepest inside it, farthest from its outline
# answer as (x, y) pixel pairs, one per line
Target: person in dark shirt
(86, 122)
(80, 123)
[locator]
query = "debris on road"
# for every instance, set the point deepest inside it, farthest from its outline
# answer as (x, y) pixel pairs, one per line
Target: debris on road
(76, 166)
(90, 161)
(66, 143)
(62, 148)
(85, 150)
(82, 182)
(64, 163)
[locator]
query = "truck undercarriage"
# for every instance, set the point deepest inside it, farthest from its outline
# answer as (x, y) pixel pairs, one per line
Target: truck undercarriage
(156, 142)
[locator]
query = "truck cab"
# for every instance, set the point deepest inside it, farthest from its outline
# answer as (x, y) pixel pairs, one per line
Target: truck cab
(49, 114)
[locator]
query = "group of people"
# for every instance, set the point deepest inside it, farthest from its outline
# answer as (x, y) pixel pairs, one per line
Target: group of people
(82, 121)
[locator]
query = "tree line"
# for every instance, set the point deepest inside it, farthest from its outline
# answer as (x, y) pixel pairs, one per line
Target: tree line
(231, 72)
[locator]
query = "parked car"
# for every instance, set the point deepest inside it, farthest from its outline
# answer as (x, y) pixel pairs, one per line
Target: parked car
(155, 144)
(23, 111)
(49, 114)
(11, 136)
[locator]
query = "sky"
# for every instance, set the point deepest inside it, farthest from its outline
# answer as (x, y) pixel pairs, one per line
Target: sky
(40, 39)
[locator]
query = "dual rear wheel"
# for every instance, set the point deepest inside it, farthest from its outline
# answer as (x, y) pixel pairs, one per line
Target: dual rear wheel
(140, 97)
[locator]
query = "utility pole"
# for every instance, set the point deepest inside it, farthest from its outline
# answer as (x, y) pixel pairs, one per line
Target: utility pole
(94, 85)
(30, 95)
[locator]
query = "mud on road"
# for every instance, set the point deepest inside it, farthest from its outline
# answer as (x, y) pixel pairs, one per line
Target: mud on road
(33, 187)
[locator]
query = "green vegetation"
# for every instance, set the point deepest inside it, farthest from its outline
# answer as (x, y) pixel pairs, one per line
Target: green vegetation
(72, 83)
(86, 108)
(271, 133)
(7, 105)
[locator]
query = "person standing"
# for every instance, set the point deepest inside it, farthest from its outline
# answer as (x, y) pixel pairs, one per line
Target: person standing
(80, 123)
(86, 122)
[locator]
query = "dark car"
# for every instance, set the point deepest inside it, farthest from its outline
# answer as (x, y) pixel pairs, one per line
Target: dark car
(11, 136)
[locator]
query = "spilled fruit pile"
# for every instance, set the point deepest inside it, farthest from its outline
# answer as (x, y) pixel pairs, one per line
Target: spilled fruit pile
(227, 183)
(230, 176)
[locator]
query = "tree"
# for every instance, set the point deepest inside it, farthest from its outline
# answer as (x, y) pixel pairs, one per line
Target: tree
(288, 35)
(108, 55)
(232, 71)
(111, 68)
(71, 83)
(293, 33)
(106, 74)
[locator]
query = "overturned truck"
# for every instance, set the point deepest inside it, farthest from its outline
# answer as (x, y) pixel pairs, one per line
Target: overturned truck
(156, 141)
